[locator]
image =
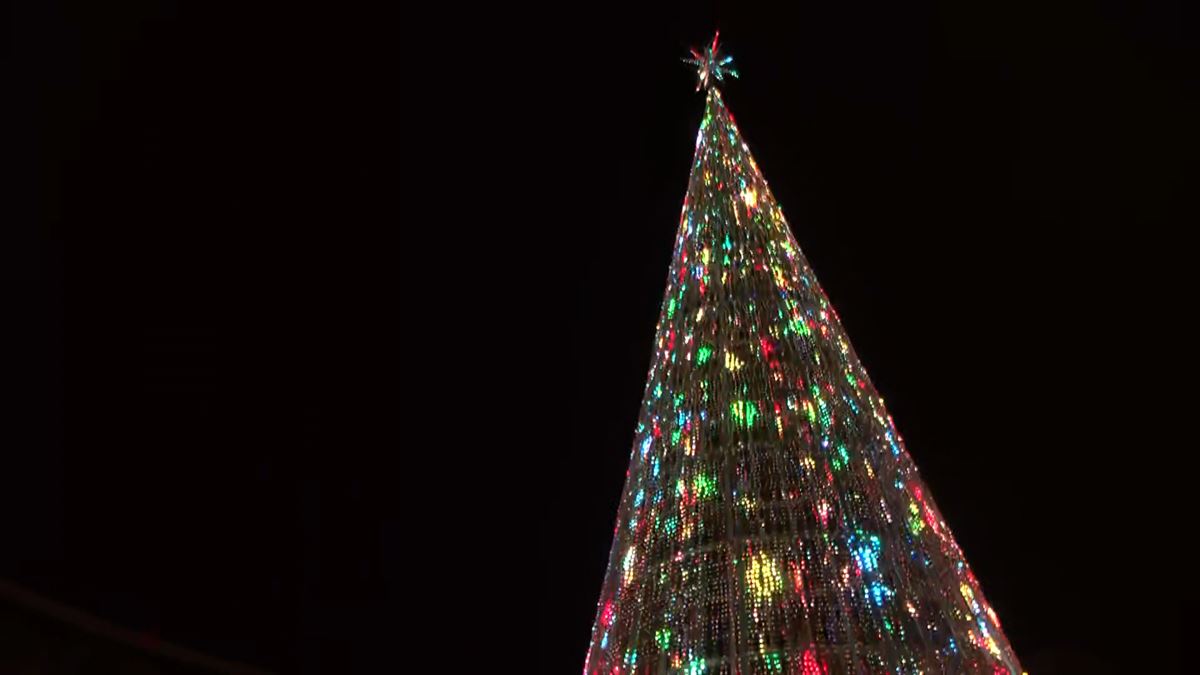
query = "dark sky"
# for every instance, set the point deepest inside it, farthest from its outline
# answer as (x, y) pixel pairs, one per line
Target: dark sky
(313, 304)
(196, 436)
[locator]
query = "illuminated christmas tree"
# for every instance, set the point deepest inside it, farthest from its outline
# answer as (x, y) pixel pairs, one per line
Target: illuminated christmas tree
(772, 520)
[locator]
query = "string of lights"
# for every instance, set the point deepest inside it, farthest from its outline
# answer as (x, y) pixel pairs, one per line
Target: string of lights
(772, 520)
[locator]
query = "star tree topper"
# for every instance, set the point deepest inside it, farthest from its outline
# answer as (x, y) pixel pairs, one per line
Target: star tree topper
(711, 65)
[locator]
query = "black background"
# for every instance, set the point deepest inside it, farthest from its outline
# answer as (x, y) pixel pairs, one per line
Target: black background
(283, 256)
(201, 444)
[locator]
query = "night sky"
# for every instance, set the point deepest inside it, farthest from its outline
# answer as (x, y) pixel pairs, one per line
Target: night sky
(311, 305)
(202, 442)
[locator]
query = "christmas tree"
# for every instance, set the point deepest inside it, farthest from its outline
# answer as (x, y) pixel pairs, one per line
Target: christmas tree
(772, 520)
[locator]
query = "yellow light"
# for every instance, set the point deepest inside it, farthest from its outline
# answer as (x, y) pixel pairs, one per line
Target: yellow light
(732, 362)
(763, 577)
(750, 197)
(628, 565)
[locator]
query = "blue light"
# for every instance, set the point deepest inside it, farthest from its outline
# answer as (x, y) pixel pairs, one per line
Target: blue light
(878, 592)
(892, 441)
(866, 552)
(850, 403)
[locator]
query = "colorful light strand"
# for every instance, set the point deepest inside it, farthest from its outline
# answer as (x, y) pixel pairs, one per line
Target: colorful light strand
(772, 520)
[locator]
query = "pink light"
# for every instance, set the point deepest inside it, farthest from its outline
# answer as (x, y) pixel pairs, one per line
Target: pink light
(809, 665)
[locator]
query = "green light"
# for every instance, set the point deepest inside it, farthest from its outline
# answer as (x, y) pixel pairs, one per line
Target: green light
(841, 459)
(705, 486)
(744, 412)
(915, 524)
(774, 663)
(703, 354)
(825, 418)
(671, 309)
(801, 327)
(663, 637)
